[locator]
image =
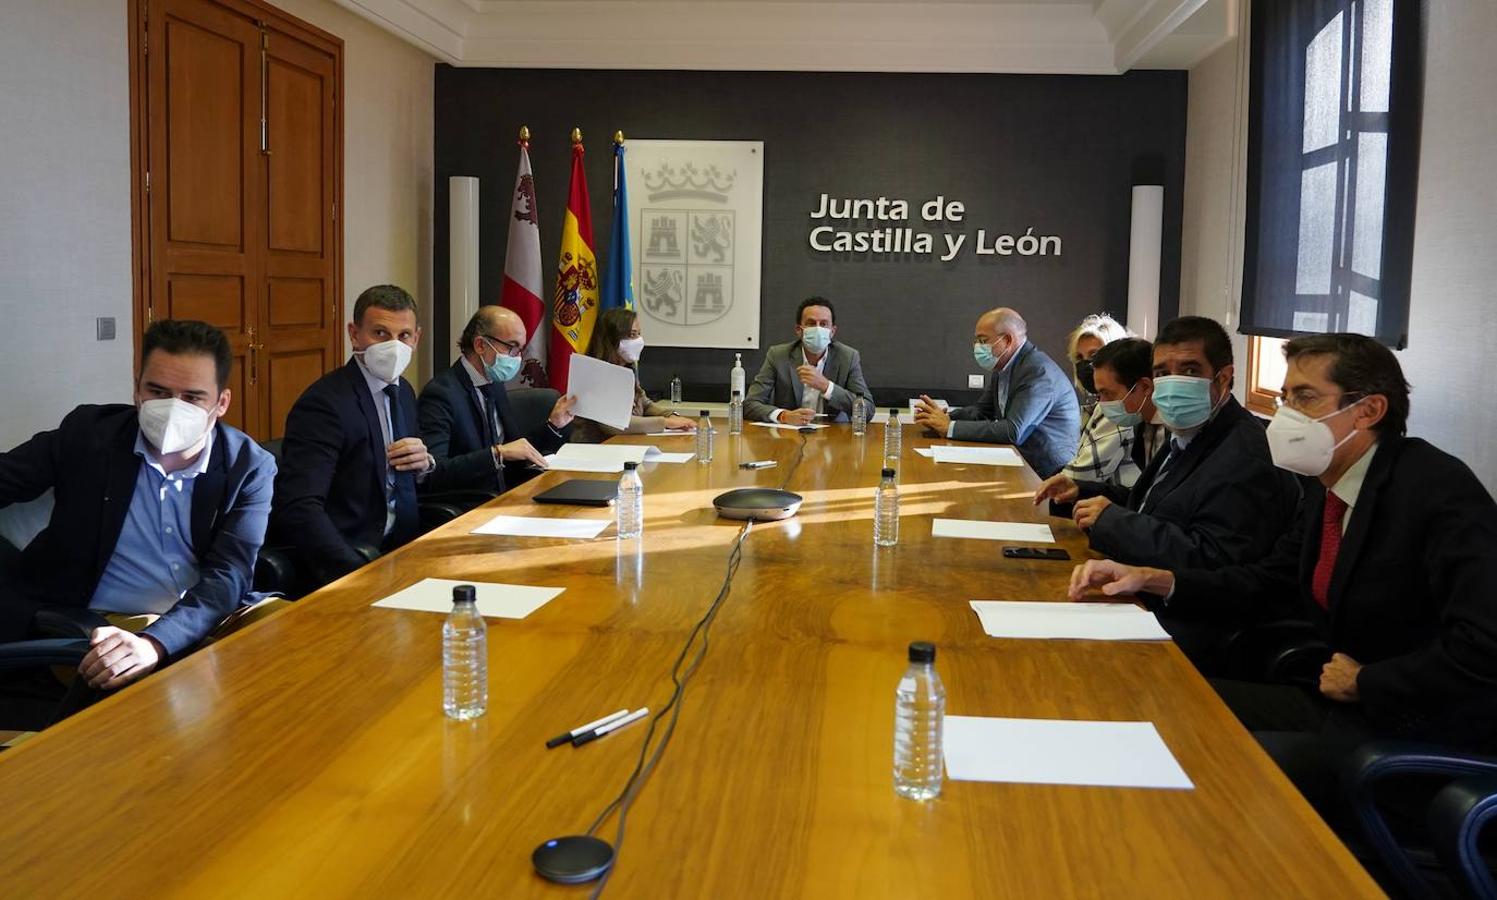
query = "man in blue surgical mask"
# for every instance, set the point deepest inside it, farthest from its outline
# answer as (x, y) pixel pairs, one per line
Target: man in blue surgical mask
(465, 416)
(1211, 496)
(1029, 401)
(814, 375)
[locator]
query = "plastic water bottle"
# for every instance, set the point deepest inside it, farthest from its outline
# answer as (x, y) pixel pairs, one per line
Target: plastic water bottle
(892, 435)
(919, 718)
(859, 416)
(735, 377)
(735, 414)
(631, 502)
(704, 439)
(675, 392)
(465, 657)
(886, 511)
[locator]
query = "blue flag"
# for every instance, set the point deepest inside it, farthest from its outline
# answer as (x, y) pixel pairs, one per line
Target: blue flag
(618, 279)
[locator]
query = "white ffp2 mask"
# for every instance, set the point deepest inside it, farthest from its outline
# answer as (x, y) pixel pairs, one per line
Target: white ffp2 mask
(172, 425)
(387, 359)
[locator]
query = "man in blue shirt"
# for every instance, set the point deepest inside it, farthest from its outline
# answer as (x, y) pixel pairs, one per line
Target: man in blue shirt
(160, 509)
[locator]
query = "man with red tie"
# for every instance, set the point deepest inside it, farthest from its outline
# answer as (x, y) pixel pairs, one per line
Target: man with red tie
(1393, 558)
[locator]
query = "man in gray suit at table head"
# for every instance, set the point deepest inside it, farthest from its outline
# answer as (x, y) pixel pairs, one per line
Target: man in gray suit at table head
(1029, 401)
(810, 375)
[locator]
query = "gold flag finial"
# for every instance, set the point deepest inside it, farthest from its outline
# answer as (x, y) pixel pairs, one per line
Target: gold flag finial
(618, 137)
(524, 134)
(576, 135)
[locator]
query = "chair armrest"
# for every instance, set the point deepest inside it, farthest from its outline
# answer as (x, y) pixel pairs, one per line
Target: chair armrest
(43, 652)
(434, 514)
(1457, 817)
(1287, 651)
(66, 622)
(465, 498)
(368, 551)
(1375, 761)
(275, 571)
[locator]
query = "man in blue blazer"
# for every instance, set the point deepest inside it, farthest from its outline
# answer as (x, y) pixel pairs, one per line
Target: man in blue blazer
(464, 411)
(351, 455)
(1029, 401)
(160, 509)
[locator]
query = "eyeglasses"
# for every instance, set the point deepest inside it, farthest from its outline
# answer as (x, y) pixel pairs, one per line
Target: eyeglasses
(1306, 398)
(508, 348)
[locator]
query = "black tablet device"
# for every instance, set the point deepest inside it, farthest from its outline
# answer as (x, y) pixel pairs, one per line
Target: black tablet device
(581, 492)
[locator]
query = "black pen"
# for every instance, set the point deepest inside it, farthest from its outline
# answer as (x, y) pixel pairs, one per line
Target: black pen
(583, 729)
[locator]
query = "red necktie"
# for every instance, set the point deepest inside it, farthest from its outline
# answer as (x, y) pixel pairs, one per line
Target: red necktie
(1330, 545)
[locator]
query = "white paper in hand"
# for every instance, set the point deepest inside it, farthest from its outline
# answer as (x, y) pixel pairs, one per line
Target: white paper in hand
(495, 600)
(604, 391)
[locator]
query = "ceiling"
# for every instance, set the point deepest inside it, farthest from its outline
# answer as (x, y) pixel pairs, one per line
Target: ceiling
(1090, 37)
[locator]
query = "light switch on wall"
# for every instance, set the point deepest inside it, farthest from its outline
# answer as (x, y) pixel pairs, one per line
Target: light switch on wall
(104, 328)
(974, 381)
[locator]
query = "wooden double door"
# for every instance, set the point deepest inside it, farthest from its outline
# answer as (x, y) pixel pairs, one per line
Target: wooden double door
(238, 152)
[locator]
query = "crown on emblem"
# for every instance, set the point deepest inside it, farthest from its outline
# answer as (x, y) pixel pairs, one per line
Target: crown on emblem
(689, 180)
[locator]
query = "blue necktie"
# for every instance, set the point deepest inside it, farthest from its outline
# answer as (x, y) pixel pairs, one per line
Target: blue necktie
(407, 514)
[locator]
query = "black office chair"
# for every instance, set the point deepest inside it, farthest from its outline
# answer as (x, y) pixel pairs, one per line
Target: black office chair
(1456, 817)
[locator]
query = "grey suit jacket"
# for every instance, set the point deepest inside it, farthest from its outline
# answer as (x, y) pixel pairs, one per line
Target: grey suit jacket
(1040, 416)
(778, 387)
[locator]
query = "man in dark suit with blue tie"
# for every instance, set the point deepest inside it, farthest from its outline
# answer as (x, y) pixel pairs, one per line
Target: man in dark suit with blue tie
(351, 456)
(1393, 558)
(159, 513)
(464, 412)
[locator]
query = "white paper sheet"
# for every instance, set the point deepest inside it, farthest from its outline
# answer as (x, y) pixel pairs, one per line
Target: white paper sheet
(791, 427)
(976, 456)
(538, 526)
(600, 453)
(1073, 621)
(926, 452)
(604, 391)
(495, 600)
(1052, 751)
(658, 457)
(555, 464)
(914, 401)
(1029, 532)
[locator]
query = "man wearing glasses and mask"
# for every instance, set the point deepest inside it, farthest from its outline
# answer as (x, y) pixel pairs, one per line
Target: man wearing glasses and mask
(464, 413)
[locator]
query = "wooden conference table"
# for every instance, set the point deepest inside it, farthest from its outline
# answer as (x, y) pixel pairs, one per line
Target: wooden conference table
(308, 755)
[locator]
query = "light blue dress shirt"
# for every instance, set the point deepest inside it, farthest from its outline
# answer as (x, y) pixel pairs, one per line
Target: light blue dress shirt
(153, 563)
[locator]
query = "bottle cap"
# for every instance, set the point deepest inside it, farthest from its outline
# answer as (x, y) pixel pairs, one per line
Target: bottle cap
(893, 410)
(735, 394)
(704, 414)
(922, 652)
(630, 466)
(888, 473)
(464, 593)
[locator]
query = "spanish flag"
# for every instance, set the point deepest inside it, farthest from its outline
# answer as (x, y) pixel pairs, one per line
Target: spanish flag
(575, 306)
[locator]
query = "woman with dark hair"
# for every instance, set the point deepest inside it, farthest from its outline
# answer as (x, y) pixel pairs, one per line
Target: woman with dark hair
(618, 340)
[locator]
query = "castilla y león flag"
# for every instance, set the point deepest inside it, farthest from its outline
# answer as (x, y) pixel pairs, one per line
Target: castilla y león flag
(575, 305)
(522, 273)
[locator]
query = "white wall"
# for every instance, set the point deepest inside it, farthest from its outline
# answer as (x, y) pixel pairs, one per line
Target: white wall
(388, 89)
(64, 209)
(65, 193)
(1455, 228)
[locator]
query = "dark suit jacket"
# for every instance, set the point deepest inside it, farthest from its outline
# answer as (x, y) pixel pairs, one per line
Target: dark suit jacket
(777, 386)
(1413, 595)
(452, 426)
(331, 487)
(1041, 417)
(90, 464)
(1222, 502)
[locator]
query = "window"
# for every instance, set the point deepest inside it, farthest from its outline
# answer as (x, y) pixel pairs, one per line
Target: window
(1332, 167)
(1266, 370)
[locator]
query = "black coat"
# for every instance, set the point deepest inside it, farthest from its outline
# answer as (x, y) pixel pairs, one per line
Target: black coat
(451, 423)
(1222, 501)
(1413, 596)
(331, 486)
(90, 464)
